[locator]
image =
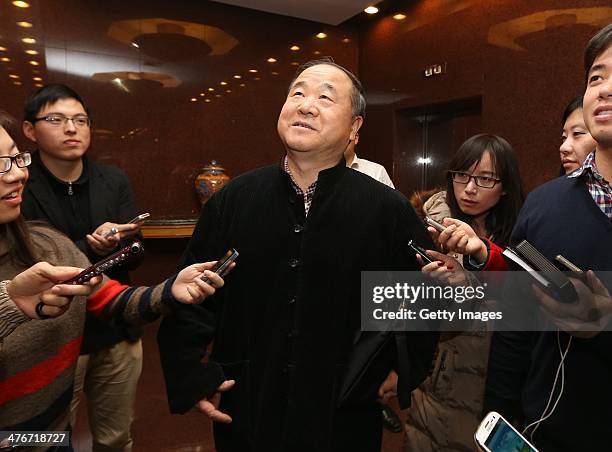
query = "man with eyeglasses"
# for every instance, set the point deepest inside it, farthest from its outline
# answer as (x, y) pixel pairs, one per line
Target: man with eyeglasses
(85, 200)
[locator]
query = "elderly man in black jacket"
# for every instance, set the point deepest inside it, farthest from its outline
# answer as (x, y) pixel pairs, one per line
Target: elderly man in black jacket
(285, 324)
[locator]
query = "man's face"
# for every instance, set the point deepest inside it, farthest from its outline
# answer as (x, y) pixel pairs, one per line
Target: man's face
(598, 99)
(65, 141)
(317, 115)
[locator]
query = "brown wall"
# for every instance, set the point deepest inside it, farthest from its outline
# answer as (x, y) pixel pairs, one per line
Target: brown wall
(155, 133)
(524, 87)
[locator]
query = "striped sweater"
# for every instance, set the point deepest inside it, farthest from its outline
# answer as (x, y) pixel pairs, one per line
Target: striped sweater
(38, 357)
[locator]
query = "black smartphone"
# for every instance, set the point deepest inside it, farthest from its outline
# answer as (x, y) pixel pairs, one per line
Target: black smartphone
(434, 224)
(223, 264)
(420, 251)
(107, 263)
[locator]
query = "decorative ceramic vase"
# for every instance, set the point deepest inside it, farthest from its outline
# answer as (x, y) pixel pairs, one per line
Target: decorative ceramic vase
(210, 180)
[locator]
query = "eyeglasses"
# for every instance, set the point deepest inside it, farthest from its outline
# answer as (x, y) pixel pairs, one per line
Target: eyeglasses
(481, 181)
(22, 160)
(61, 120)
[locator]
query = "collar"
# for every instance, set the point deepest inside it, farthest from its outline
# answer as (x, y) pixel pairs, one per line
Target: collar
(326, 177)
(356, 162)
(83, 178)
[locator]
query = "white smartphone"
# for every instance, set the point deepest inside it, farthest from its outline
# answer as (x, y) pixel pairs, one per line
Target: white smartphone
(495, 434)
(139, 218)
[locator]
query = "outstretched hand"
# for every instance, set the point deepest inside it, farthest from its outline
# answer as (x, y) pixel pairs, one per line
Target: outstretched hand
(42, 283)
(444, 268)
(587, 317)
(197, 282)
(459, 237)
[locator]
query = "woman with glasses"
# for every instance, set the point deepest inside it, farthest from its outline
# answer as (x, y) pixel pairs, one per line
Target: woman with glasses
(42, 320)
(479, 207)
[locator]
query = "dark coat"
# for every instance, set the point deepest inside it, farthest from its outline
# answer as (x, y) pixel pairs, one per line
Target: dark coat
(285, 323)
(559, 217)
(110, 199)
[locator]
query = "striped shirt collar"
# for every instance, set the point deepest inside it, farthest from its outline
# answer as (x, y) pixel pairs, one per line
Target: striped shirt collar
(599, 188)
(306, 195)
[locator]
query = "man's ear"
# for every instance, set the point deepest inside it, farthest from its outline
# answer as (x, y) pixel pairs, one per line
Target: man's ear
(355, 126)
(28, 130)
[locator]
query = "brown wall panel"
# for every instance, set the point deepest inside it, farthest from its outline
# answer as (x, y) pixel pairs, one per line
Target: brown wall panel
(146, 123)
(523, 57)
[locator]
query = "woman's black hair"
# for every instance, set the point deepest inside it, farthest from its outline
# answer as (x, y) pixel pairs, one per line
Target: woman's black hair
(575, 104)
(20, 248)
(501, 218)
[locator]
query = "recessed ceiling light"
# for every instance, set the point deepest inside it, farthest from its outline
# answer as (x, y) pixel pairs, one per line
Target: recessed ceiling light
(193, 99)
(223, 83)
(135, 45)
(31, 52)
(295, 63)
(316, 52)
(237, 76)
(13, 76)
(24, 24)
(346, 40)
(321, 35)
(294, 48)
(242, 85)
(253, 71)
(371, 10)
(16, 82)
(211, 89)
(5, 59)
(207, 100)
(38, 85)
(2, 49)
(228, 90)
(274, 73)
(29, 40)
(20, 4)
(37, 79)
(34, 63)
(217, 95)
(271, 60)
(399, 16)
(202, 94)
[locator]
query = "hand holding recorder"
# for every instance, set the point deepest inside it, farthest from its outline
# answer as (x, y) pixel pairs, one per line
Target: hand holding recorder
(458, 237)
(40, 293)
(107, 236)
(199, 281)
(585, 318)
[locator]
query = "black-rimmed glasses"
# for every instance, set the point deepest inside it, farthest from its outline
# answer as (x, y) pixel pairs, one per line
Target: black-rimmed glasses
(22, 160)
(481, 181)
(61, 120)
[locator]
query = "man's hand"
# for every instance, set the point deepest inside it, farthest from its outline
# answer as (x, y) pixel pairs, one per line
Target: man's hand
(190, 288)
(41, 283)
(210, 405)
(388, 388)
(106, 237)
(459, 237)
(444, 268)
(588, 316)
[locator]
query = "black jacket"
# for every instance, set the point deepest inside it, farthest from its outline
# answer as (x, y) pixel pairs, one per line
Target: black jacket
(110, 199)
(560, 217)
(285, 323)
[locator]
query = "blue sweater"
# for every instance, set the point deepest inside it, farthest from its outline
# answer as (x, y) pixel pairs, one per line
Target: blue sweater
(559, 217)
